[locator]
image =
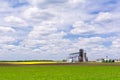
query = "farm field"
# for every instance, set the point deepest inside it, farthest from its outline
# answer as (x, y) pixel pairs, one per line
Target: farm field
(27, 63)
(60, 72)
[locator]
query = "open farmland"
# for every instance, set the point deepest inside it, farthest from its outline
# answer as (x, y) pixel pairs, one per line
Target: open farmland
(61, 72)
(26, 63)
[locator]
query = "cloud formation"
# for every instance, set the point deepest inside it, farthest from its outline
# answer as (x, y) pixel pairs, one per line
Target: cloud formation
(51, 29)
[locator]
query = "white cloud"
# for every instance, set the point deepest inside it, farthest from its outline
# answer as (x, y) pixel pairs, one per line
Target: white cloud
(4, 6)
(116, 43)
(6, 29)
(81, 27)
(76, 3)
(28, 13)
(102, 22)
(36, 2)
(15, 21)
(44, 3)
(104, 16)
(6, 35)
(36, 14)
(6, 39)
(44, 28)
(89, 42)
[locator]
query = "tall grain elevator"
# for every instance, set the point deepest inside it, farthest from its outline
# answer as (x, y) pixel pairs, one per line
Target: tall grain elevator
(82, 56)
(78, 56)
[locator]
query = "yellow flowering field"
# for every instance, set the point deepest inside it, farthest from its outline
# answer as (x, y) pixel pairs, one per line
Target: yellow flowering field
(28, 62)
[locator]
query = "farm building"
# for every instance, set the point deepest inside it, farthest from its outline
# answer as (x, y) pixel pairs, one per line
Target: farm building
(107, 60)
(78, 56)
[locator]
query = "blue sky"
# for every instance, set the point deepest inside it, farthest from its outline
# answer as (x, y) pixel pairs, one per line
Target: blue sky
(52, 29)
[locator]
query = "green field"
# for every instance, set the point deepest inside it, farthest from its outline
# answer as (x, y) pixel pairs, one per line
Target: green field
(70, 72)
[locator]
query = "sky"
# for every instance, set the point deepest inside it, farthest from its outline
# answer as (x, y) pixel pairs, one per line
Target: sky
(52, 29)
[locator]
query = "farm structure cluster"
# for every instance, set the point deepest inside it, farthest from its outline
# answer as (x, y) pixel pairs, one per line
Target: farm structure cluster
(107, 59)
(78, 56)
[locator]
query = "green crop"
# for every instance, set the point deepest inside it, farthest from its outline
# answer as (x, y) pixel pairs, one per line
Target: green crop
(59, 73)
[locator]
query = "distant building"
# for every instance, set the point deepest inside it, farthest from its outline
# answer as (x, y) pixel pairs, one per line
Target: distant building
(78, 56)
(107, 60)
(117, 60)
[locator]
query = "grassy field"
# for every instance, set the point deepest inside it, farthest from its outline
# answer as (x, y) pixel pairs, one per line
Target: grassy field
(71, 72)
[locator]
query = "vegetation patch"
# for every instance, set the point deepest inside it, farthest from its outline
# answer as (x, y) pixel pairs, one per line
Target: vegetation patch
(72, 72)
